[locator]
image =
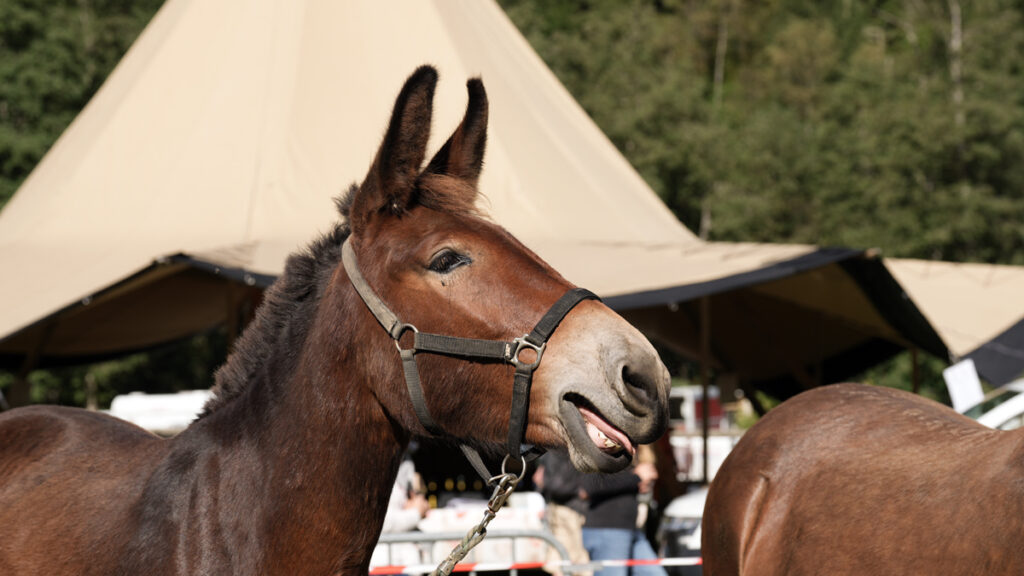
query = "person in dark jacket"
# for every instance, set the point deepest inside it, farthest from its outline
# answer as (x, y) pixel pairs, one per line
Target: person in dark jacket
(610, 531)
(562, 485)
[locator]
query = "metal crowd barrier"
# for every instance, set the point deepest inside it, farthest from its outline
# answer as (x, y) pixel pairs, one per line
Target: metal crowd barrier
(429, 538)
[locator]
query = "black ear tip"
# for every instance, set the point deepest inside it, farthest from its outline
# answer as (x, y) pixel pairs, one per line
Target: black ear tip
(475, 87)
(424, 74)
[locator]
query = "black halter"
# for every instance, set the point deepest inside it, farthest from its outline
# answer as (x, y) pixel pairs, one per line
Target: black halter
(470, 349)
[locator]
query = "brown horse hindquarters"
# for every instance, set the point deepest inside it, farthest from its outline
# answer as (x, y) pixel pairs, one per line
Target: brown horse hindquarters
(862, 480)
(63, 474)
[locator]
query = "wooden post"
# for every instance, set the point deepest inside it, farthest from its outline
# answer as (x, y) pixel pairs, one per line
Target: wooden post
(705, 376)
(234, 303)
(20, 392)
(915, 373)
(91, 402)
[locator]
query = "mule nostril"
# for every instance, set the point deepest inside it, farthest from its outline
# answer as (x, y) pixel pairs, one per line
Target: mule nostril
(637, 381)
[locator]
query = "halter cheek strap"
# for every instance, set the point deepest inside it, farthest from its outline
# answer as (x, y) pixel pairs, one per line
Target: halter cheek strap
(471, 349)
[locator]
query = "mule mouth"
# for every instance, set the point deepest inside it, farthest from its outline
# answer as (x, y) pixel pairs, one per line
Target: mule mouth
(599, 444)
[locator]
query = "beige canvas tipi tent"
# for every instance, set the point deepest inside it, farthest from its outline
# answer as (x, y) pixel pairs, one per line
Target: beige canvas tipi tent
(978, 309)
(216, 146)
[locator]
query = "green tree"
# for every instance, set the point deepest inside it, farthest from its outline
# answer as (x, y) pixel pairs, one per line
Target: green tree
(53, 57)
(894, 124)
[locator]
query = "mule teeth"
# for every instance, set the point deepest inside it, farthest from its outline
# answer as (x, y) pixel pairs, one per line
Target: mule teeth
(608, 442)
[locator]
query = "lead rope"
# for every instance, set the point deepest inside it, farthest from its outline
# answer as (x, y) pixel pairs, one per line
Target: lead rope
(506, 484)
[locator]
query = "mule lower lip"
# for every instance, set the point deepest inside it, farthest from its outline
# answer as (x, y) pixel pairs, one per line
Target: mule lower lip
(606, 437)
(587, 455)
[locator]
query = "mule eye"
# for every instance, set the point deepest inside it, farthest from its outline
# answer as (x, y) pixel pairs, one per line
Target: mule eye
(447, 260)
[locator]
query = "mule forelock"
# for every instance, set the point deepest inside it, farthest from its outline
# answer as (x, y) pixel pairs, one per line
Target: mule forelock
(438, 192)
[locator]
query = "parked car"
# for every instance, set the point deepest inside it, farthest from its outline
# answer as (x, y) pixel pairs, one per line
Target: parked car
(679, 534)
(1002, 408)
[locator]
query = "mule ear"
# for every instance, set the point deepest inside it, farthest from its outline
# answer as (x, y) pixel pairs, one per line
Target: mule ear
(392, 177)
(462, 156)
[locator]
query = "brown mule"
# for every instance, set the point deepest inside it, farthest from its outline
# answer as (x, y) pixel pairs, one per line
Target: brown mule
(858, 480)
(289, 469)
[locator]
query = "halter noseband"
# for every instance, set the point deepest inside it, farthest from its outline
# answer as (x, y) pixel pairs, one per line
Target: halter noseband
(471, 349)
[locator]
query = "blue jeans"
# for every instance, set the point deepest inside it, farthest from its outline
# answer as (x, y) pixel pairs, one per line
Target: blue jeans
(620, 544)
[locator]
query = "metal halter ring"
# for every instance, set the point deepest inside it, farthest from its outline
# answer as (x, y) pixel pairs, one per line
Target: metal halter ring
(523, 343)
(504, 463)
(402, 329)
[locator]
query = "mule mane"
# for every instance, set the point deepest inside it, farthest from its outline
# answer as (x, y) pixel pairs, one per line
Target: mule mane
(283, 320)
(266, 347)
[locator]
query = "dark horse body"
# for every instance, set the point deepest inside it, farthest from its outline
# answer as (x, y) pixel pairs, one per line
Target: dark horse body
(851, 479)
(289, 469)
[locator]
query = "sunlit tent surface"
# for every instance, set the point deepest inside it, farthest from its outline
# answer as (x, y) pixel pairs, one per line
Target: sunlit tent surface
(217, 145)
(978, 309)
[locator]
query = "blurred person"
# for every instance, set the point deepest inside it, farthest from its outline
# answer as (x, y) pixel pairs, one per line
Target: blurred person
(406, 507)
(614, 504)
(564, 512)
(408, 504)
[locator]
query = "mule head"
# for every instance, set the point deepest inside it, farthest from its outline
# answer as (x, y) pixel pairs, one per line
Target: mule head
(600, 388)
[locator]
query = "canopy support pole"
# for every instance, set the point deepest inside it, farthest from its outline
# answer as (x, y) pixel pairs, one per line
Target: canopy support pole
(915, 372)
(20, 393)
(240, 304)
(705, 376)
(233, 303)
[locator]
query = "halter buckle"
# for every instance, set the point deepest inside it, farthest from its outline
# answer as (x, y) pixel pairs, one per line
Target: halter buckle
(522, 344)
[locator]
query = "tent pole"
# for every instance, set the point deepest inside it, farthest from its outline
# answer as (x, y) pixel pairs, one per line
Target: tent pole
(915, 373)
(241, 304)
(20, 392)
(705, 360)
(236, 303)
(21, 389)
(231, 314)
